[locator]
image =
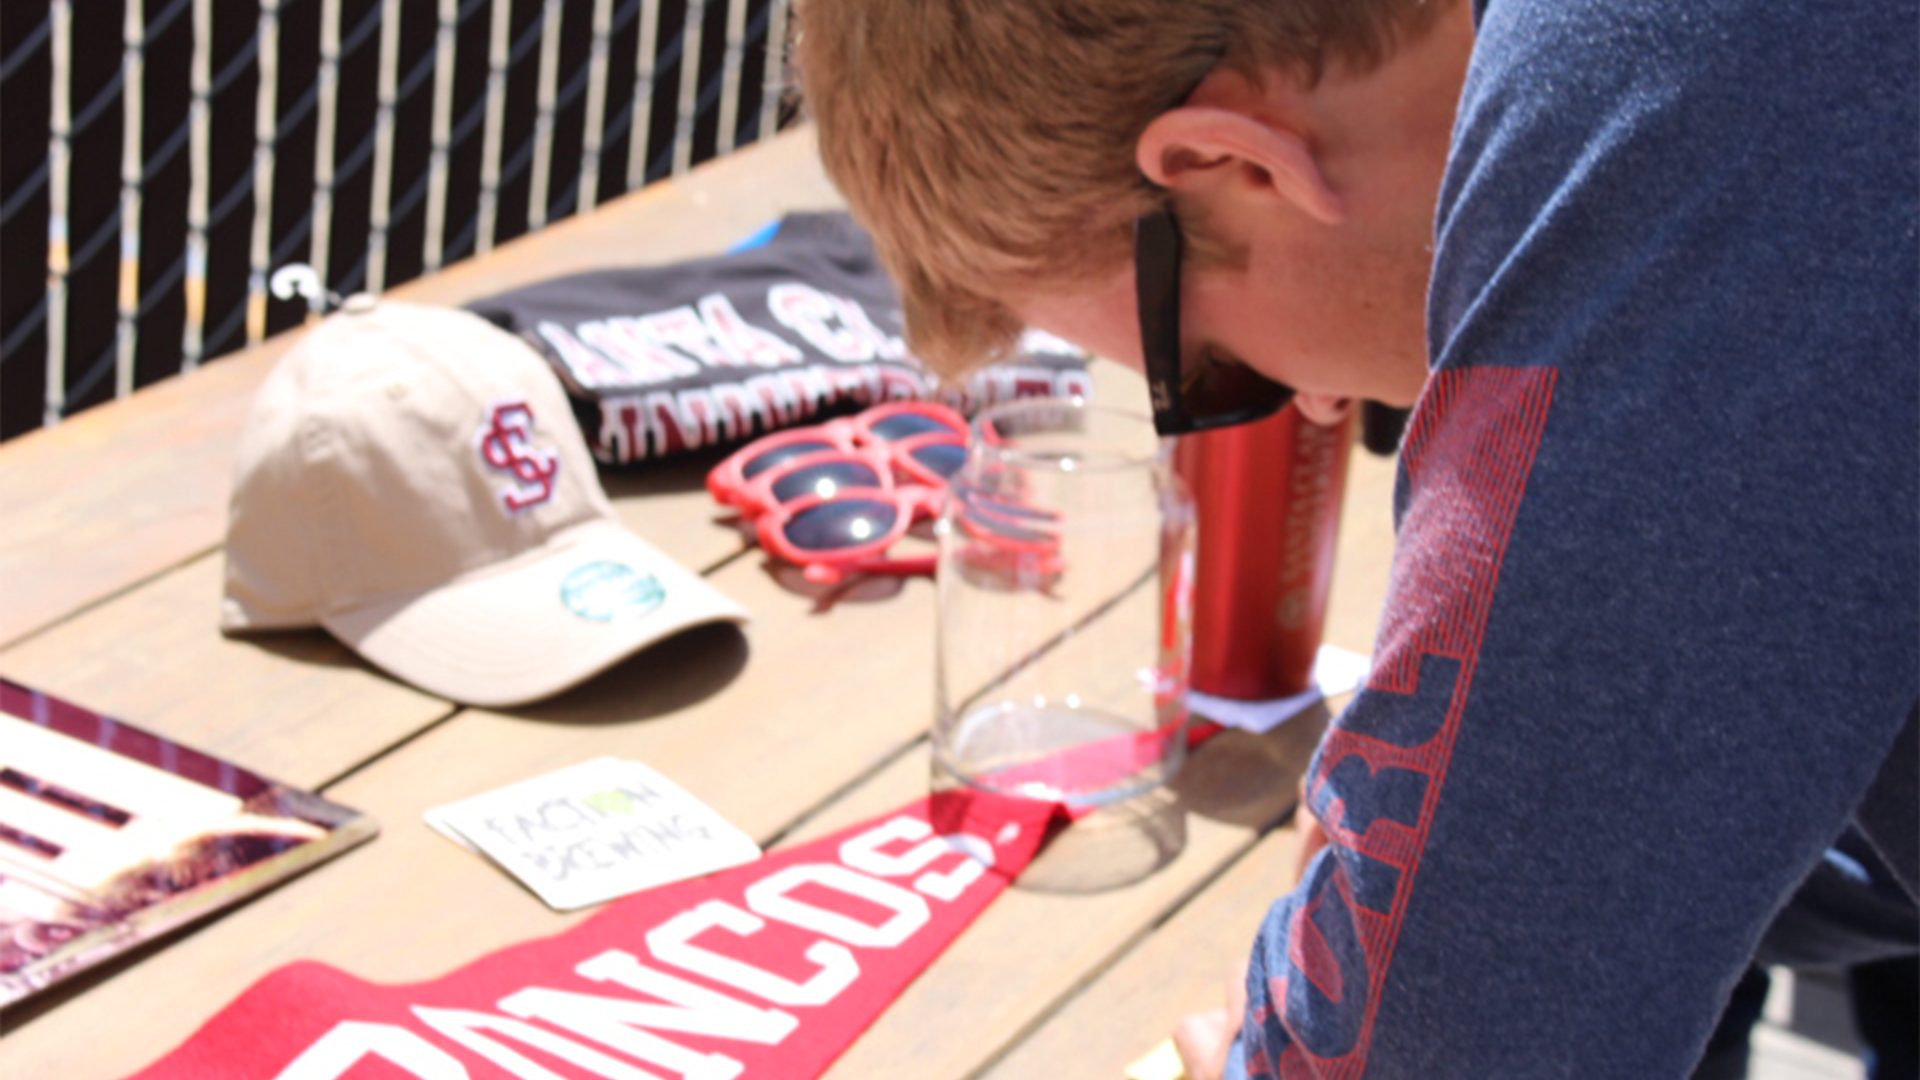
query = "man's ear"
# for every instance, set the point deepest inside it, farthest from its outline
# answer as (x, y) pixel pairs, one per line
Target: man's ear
(1325, 410)
(1192, 147)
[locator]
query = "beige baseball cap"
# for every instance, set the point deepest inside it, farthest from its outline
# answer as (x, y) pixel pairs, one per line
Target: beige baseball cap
(413, 479)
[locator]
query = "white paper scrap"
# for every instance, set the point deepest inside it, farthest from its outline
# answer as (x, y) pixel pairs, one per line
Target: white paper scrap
(1161, 1063)
(595, 831)
(1336, 671)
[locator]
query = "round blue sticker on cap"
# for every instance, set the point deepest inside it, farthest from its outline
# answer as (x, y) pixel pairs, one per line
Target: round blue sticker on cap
(605, 591)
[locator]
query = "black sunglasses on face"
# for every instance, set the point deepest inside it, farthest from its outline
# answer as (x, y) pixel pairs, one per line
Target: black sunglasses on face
(1215, 393)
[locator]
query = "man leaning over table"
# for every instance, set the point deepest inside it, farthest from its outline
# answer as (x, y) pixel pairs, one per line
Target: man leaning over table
(1647, 669)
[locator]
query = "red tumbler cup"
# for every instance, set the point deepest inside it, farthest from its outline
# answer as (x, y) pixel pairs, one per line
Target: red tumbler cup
(1267, 501)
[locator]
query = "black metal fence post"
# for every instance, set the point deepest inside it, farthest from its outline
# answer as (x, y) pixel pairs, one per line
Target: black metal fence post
(160, 159)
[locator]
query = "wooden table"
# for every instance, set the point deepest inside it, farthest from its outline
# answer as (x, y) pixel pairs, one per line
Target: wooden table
(814, 718)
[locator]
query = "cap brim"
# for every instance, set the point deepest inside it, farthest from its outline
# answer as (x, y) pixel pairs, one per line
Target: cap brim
(538, 625)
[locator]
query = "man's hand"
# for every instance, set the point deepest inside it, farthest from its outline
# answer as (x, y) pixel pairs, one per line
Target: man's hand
(1204, 1039)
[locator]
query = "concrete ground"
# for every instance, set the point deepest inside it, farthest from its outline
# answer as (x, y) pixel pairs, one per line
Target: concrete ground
(1806, 1032)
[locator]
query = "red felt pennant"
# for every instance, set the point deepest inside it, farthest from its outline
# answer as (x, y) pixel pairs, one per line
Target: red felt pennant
(766, 970)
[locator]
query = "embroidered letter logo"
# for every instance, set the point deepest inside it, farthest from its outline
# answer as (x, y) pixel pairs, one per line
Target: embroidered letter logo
(506, 444)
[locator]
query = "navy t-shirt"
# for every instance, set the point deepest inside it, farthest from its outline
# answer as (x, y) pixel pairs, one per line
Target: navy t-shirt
(1652, 629)
(798, 324)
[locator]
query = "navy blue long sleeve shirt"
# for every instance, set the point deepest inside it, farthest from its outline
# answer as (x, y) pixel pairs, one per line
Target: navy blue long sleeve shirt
(1652, 630)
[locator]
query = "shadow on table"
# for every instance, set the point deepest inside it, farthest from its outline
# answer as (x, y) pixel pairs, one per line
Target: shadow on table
(1252, 780)
(854, 589)
(1235, 777)
(683, 670)
(307, 645)
(1111, 848)
(671, 675)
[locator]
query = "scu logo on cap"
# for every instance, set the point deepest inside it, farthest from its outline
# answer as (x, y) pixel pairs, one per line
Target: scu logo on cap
(506, 444)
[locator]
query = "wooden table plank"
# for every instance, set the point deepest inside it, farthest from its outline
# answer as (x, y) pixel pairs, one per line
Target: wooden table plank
(817, 692)
(765, 723)
(1038, 944)
(810, 717)
(144, 655)
(119, 493)
(455, 908)
(296, 706)
(134, 487)
(1183, 967)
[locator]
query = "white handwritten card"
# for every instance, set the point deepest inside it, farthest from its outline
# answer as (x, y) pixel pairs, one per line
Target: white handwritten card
(595, 831)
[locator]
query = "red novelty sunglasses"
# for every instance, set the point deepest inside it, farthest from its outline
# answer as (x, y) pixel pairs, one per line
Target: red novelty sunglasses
(916, 442)
(834, 498)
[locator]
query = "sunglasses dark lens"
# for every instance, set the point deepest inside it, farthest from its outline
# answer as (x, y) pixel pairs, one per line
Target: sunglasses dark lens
(1220, 393)
(847, 523)
(823, 479)
(901, 425)
(778, 454)
(944, 459)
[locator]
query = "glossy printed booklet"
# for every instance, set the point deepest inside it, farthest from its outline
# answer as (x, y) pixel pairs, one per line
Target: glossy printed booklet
(111, 836)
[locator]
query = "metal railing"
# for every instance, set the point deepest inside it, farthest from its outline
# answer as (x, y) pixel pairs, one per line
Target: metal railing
(160, 160)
